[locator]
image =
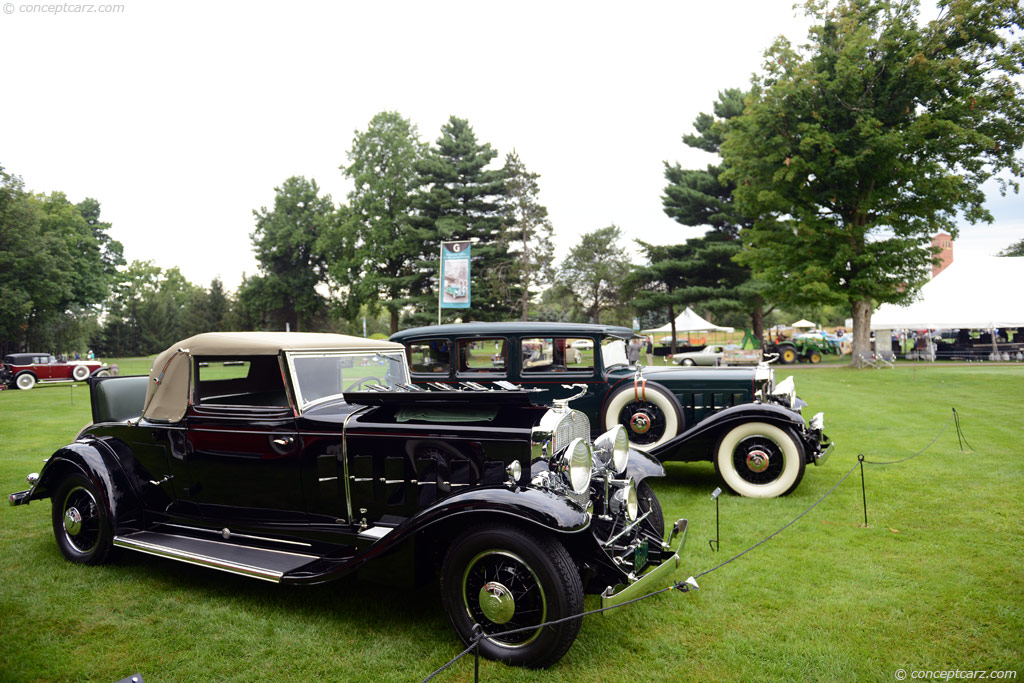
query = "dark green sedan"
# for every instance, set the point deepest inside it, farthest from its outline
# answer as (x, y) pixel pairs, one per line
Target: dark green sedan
(737, 417)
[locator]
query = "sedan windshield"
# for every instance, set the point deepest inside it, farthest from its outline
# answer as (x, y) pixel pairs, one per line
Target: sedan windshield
(319, 376)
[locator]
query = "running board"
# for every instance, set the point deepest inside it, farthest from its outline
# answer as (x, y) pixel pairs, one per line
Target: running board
(257, 563)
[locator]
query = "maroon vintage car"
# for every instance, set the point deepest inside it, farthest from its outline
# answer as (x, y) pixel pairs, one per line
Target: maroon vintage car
(23, 370)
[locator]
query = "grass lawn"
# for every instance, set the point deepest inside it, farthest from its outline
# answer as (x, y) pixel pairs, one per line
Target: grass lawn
(935, 582)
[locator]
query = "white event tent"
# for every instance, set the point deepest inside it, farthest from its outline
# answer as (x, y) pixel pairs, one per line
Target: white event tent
(975, 293)
(688, 321)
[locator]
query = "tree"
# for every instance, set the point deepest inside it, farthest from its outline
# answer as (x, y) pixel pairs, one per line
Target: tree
(595, 269)
(529, 231)
(460, 200)
(286, 244)
(1015, 249)
(854, 149)
(700, 271)
(698, 197)
(375, 251)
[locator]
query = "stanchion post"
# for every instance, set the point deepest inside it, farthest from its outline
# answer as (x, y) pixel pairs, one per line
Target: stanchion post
(863, 488)
(715, 544)
(478, 632)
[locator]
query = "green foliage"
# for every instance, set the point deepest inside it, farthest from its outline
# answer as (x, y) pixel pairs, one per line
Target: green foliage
(701, 197)
(56, 264)
(530, 232)
(856, 148)
(1015, 249)
(595, 270)
(287, 246)
(461, 199)
(373, 252)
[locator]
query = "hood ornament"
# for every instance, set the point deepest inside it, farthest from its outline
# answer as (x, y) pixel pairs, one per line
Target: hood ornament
(561, 405)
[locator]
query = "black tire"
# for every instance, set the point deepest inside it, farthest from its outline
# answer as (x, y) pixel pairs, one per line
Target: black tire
(650, 415)
(759, 460)
(25, 381)
(788, 354)
(79, 373)
(80, 522)
(648, 501)
(538, 583)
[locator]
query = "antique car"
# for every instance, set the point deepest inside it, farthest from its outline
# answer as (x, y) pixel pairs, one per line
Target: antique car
(24, 370)
(302, 458)
(737, 417)
(710, 355)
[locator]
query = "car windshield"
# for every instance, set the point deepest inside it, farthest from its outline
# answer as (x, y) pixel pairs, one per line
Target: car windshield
(614, 352)
(319, 376)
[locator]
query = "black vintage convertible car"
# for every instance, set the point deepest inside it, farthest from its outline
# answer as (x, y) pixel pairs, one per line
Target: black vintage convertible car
(739, 418)
(301, 458)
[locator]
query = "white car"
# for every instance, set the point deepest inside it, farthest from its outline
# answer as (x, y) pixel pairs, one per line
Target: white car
(583, 344)
(709, 355)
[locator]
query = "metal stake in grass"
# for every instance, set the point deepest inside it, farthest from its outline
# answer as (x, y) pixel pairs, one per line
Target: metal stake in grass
(863, 488)
(714, 543)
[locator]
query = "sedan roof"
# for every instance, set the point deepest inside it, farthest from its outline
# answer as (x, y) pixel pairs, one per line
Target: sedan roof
(482, 329)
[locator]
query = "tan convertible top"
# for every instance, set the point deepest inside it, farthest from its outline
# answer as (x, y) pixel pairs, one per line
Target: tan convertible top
(167, 393)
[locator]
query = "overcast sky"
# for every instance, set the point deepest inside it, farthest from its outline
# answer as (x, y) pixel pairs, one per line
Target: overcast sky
(181, 118)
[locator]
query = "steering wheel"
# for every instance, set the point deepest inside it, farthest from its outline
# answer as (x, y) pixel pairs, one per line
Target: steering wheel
(359, 382)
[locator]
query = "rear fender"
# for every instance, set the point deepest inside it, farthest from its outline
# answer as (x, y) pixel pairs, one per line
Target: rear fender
(97, 461)
(698, 442)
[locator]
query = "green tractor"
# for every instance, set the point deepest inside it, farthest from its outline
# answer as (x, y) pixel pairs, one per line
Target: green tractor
(809, 348)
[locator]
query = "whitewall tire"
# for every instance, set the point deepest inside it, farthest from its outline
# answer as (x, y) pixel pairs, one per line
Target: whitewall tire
(650, 415)
(759, 460)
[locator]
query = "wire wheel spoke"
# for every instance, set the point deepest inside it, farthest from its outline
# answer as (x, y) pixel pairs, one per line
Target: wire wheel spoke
(515, 595)
(644, 422)
(758, 460)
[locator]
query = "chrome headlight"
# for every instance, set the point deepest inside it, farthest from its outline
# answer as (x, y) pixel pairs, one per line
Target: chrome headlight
(613, 448)
(579, 461)
(625, 501)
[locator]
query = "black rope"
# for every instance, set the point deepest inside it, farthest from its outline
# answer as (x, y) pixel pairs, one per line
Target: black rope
(961, 437)
(454, 659)
(895, 462)
(782, 528)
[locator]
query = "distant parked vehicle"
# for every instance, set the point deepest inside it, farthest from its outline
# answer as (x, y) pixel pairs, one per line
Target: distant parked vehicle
(709, 355)
(24, 370)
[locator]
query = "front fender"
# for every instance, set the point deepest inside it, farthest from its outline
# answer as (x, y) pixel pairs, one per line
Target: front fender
(95, 460)
(697, 442)
(642, 465)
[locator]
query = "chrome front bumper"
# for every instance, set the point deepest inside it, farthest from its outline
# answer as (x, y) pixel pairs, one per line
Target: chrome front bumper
(822, 456)
(654, 577)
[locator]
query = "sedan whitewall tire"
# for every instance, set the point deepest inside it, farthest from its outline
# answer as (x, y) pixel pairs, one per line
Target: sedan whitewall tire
(759, 460)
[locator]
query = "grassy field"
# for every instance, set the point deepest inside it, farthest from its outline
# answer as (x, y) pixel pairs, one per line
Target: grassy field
(935, 582)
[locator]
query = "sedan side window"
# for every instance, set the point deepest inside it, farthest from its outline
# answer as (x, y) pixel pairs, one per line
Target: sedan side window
(252, 381)
(557, 354)
(483, 356)
(432, 357)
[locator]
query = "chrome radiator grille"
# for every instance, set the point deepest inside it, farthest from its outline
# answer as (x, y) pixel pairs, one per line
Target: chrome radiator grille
(571, 425)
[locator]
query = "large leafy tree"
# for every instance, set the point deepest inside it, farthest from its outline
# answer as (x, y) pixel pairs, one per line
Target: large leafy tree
(529, 230)
(854, 149)
(56, 266)
(292, 265)
(460, 199)
(594, 270)
(700, 197)
(374, 252)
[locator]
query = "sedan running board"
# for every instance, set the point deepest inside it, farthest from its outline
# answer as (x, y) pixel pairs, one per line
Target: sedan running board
(257, 563)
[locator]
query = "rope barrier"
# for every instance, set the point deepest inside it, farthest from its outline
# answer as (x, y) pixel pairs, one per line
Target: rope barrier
(685, 586)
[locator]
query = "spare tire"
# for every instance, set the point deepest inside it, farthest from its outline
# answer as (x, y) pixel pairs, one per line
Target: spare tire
(649, 412)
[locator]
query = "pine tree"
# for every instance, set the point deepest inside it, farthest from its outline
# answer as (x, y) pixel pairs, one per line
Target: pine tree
(529, 230)
(460, 199)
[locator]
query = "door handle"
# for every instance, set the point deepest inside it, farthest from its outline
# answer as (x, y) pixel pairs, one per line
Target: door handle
(284, 441)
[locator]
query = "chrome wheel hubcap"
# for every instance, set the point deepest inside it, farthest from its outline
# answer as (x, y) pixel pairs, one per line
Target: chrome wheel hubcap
(497, 603)
(757, 461)
(72, 521)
